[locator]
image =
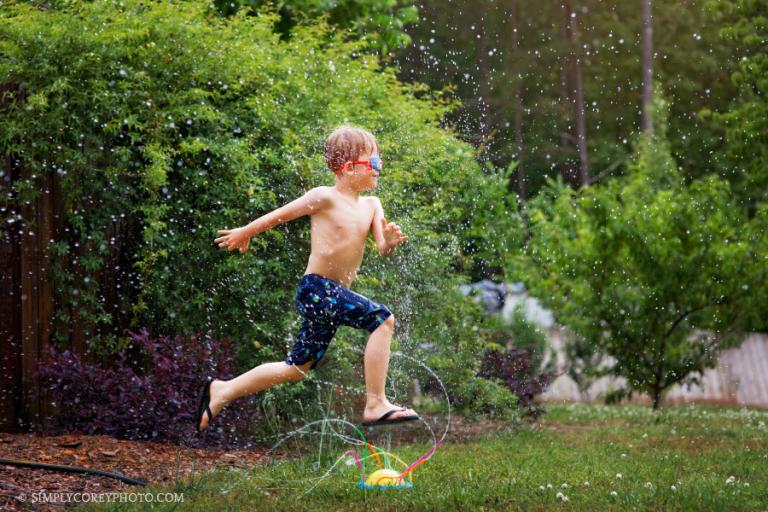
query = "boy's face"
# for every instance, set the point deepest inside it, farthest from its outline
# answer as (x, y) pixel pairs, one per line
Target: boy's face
(361, 176)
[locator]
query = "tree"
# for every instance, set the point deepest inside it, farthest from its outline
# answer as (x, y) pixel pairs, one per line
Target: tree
(382, 22)
(577, 91)
(690, 62)
(647, 66)
(746, 120)
(517, 87)
(656, 274)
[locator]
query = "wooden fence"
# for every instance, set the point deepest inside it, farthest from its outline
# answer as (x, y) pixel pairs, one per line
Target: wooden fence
(740, 378)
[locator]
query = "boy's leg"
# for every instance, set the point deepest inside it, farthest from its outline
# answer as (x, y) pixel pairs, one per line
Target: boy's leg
(258, 379)
(376, 364)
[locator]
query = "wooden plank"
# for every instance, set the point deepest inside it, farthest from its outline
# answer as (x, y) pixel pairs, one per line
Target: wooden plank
(29, 310)
(11, 400)
(749, 373)
(763, 343)
(45, 284)
(760, 361)
(10, 312)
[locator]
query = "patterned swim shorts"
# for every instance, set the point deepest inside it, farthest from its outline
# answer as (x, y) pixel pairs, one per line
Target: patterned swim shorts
(325, 305)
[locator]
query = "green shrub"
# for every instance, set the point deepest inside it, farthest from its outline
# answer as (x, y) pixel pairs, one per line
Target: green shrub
(658, 274)
(172, 124)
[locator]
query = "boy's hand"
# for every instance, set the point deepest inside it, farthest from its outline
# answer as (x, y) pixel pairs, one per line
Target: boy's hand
(236, 238)
(393, 236)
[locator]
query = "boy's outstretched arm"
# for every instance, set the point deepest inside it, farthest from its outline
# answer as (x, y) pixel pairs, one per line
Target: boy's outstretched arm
(388, 235)
(238, 238)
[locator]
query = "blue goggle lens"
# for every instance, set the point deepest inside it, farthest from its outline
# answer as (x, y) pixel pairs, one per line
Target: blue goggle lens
(376, 163)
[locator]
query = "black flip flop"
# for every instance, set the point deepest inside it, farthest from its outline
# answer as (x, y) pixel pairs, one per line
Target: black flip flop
(204, 404)
(384, 421)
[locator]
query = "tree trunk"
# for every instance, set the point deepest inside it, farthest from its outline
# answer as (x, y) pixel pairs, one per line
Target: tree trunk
(647, 65)
(656, 398)
(518, 101)
(566, 132)
(578, 94)
(484, 92)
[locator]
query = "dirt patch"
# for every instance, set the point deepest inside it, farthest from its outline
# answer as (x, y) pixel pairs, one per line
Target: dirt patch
(155, 462)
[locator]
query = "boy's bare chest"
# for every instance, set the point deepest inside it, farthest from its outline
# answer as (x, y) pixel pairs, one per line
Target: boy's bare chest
(346, 221)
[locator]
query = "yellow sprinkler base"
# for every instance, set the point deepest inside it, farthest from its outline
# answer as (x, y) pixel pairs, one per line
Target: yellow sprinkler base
(385, 479)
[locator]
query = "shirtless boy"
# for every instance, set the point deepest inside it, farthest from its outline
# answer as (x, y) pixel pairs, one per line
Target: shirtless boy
(340, 222)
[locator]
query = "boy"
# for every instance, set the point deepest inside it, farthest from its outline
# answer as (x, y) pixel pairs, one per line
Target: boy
(340, 222)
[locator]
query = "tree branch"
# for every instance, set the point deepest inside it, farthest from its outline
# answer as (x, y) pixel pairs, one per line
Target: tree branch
(608, 170)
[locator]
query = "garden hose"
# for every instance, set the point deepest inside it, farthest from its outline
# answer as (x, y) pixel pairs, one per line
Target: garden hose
(72, 469)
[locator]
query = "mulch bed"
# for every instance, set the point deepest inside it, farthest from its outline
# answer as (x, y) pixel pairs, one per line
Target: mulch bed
(156, 462)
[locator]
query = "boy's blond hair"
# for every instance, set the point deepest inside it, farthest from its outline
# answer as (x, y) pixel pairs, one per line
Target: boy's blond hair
(345, 144)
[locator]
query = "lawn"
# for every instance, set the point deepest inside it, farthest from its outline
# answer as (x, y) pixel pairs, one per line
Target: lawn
(577, 457)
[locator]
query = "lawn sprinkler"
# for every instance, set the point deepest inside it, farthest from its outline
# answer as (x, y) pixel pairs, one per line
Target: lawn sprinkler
(384, 479)
(387, 478)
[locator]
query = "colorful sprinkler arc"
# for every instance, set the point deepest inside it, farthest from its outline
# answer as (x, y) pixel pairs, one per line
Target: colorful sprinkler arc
(385, 478)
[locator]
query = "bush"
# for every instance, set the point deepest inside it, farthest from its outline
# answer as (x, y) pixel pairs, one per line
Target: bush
(656, 273)
(516, 361)
(163, 124)
(150, 392)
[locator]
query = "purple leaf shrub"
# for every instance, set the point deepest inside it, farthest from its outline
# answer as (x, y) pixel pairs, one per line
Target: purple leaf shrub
(519, 370)
(149, 391)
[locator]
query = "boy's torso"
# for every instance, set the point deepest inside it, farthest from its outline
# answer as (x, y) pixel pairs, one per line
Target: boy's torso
(339, 233)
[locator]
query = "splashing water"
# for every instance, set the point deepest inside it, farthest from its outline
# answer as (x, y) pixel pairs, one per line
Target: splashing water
(362, 451)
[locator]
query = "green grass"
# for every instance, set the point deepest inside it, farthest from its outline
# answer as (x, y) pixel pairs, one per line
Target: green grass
(599, 457)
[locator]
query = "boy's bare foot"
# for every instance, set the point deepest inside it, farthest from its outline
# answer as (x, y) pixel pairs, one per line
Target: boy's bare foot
(217, 403)
(374, 413)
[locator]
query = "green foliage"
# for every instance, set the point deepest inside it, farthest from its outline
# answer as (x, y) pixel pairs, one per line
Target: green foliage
(495, 227)
(172, 124)
(746, 121)
(655, 273)
(380, 22)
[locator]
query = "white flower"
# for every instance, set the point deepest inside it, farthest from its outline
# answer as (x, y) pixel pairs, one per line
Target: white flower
(586, 484)
(648, 485)
(618, 476)
(614, 493)
(731, 480)
(562, 497)
(645, 435)
(549, 486)
(673, 488)
(564, 486)
(746, 484)
(541, 487)
(623, 455)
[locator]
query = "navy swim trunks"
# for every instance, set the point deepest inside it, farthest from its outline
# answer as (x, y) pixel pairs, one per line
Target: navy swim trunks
(325, 305)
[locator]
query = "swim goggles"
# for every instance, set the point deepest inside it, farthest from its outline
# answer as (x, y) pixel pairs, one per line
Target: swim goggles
(374, 164)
